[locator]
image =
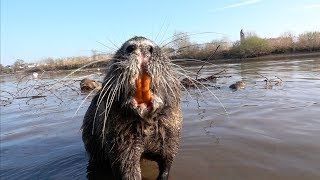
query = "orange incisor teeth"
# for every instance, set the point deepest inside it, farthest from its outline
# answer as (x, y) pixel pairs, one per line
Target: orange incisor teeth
(143, 94)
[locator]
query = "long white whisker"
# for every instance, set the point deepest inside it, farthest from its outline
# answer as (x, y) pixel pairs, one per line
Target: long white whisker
(76, 71)
(193, 82)
(165, 32)
(108, 47)
(187, 91)
(179, 80)
(104, 94)
(107, 112)
(155, 39)
(98, 105)
(83, 102)
(120, 85)
(100, 100)
(186, 35)
(192, 73)
(211, 94)
(114, 89)
(166, 84)
(182, 85)
(225, 110)
(102, 90)
(196, 60)
(113, 44)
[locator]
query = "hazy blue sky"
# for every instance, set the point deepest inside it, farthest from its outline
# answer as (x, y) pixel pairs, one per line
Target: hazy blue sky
(36, 29)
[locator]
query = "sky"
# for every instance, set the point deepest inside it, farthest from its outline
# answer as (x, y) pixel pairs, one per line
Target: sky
(32, 30)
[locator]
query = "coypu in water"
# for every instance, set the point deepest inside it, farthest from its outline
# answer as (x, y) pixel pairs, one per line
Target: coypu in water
(238, 85)
(136, 115)
(89, 85)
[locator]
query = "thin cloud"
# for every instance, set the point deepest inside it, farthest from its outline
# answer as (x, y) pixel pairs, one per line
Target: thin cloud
(311, 6)
(240, 4)
(306, 7)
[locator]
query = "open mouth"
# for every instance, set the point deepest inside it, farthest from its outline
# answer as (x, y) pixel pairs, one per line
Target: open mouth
(144, 102)
(142, 94)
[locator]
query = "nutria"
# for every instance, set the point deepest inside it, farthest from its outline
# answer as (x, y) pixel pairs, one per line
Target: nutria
(89, 85)
(136, 115)
(238, 85)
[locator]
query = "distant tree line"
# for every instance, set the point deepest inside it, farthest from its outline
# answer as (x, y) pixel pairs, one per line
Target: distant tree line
(181, 47)
(50, 64)
(250, 46)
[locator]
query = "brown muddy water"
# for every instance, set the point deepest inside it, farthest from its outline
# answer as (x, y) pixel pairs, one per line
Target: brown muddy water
(266, 132)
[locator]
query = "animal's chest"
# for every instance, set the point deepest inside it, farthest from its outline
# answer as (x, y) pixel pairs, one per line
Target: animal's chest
(151, 137)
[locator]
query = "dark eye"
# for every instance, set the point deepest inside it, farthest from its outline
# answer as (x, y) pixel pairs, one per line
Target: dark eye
(150, 49)
(130, 48)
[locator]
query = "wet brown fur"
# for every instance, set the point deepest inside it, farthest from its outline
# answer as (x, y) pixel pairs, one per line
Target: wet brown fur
(238, 85)
(89, 85)
(115, 136)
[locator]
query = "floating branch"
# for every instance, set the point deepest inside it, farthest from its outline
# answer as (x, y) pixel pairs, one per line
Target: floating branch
(190, 82)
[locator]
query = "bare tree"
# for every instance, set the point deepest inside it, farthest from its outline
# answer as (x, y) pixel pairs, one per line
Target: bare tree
(18, 64)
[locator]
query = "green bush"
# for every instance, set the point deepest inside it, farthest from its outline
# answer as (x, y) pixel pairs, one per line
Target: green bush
(250, 47)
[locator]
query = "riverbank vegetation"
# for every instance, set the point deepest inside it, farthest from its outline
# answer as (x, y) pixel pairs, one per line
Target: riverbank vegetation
(181, 47)
(50, 64)
(248, 47)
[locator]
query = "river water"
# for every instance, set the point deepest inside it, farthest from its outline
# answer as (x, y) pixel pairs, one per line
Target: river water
(260, 132)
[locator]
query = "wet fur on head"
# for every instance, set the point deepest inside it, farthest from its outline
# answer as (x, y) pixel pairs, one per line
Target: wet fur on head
(124, 69)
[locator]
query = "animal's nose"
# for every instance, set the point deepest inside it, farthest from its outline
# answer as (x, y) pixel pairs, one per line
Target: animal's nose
(141, 55)
(140, 52)
(144, 53)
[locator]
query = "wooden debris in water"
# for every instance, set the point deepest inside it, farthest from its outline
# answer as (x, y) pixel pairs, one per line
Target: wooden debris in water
(191, 82)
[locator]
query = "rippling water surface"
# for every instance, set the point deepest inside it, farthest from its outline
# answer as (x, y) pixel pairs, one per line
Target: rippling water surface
(264, 132)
